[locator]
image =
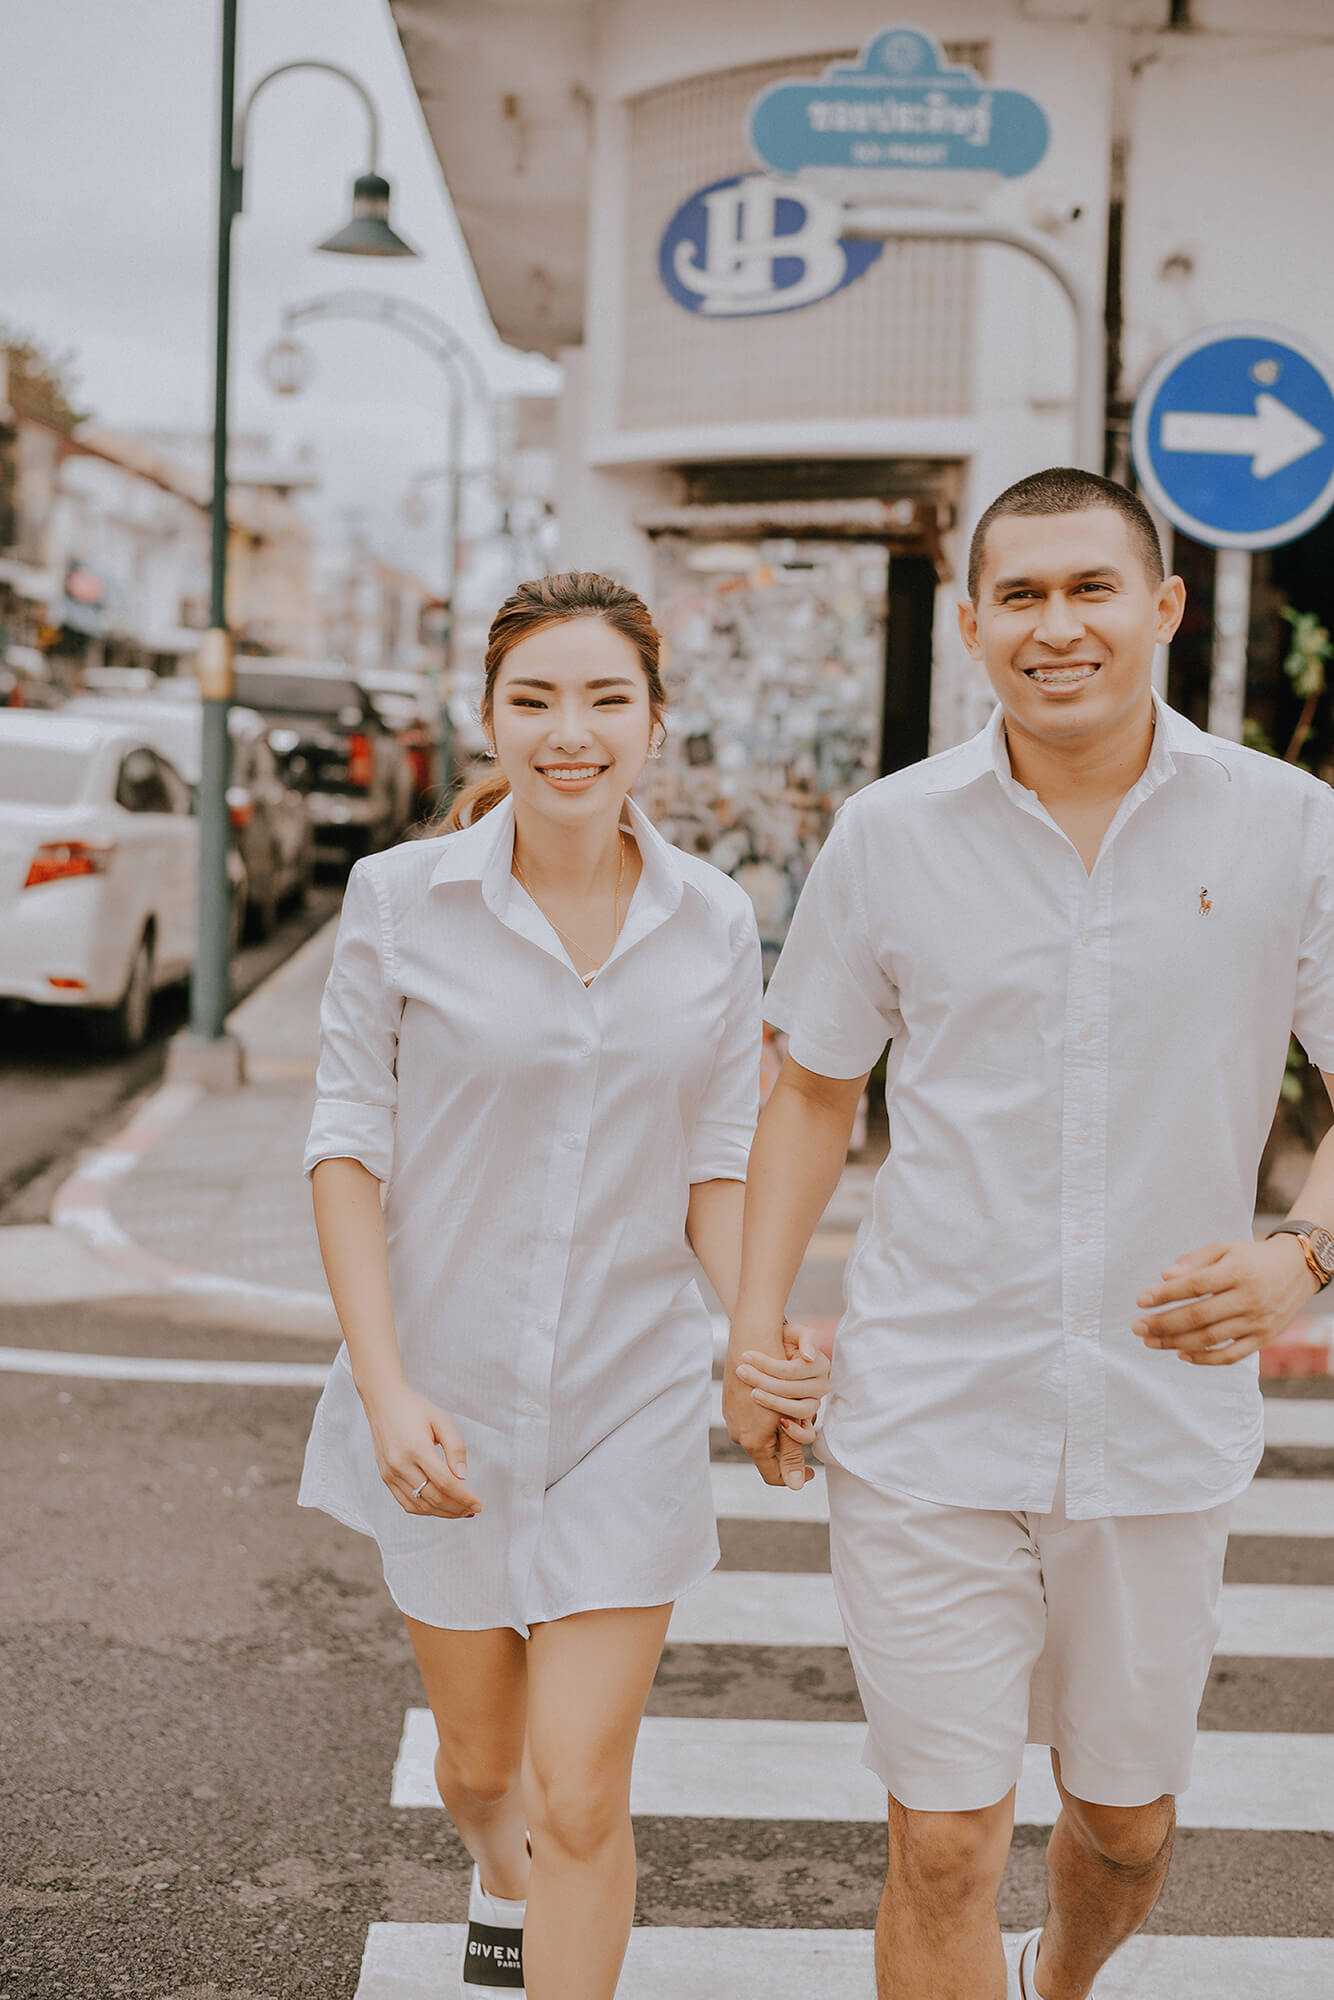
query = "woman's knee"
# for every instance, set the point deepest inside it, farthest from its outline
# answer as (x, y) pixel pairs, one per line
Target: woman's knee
(476, 1771)
(943, 1860)
(572, 1814)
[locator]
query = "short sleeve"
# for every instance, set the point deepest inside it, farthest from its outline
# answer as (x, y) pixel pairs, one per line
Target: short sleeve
(720, 1143)
(356, 1085)
(829, 994)
(1313, 1009)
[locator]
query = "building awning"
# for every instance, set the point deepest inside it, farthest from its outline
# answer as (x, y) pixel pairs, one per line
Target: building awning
(910, 527)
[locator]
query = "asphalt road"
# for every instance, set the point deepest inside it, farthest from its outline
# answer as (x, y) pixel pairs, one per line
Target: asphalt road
(202, 1690)
(57, 1093)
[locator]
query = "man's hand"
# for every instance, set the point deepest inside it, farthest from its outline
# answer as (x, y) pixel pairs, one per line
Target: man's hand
(1240, 1297)
(770, 1405)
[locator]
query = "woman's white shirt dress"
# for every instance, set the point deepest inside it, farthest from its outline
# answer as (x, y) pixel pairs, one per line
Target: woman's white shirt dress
(538, 1140)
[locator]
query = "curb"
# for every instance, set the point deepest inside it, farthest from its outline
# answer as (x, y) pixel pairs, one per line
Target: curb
(82, 1205)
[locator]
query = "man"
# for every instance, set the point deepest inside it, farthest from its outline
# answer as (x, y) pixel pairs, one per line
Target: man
(1086, 934)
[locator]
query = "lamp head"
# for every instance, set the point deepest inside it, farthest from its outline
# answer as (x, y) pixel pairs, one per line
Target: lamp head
(288, 366)
(368, 234)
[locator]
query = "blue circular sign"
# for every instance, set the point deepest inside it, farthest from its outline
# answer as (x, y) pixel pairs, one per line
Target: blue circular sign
(752, 244)
(1233, 437)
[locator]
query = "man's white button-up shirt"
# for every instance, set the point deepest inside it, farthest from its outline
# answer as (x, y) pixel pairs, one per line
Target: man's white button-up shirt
(1082, 1073)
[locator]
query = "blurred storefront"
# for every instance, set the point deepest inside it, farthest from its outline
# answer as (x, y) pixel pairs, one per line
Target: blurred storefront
(782, 434)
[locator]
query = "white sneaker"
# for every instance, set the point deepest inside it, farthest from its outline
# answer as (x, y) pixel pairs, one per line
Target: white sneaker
(1028, 1959)
(493, 1948)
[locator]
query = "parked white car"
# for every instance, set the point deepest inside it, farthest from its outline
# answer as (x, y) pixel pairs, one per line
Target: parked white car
(98, 853)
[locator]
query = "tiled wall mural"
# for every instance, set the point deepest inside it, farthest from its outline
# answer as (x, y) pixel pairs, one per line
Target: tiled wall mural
(774, 669)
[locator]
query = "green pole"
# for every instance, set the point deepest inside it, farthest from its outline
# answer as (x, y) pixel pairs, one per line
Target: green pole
(209, 986)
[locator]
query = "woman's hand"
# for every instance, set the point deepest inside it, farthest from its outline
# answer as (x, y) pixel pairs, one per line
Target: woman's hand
(770, 1405)
(415, 1442)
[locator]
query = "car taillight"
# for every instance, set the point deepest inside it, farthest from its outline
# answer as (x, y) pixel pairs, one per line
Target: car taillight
(240, 807)
(58, 860)
(360, 760)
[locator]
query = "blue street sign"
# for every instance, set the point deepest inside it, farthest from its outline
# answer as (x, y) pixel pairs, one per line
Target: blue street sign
(899, 107)
(1233, 437)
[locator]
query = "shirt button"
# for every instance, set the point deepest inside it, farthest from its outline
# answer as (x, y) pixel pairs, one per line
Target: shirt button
(1081, 1236)
(1084, 1138)
(532, 1409)
(570, 1139)
(1086, 937)
(1086, 1034)
(585, 1048)
(554, 1233)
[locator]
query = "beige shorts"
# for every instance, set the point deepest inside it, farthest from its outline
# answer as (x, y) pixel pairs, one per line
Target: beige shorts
(972, 1632)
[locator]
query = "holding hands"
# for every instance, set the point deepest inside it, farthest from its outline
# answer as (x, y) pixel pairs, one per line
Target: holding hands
(1226, 1301)
(422, 1459)
(770, 1404)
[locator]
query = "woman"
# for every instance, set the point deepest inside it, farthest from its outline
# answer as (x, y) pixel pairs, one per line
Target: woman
(541, 1033)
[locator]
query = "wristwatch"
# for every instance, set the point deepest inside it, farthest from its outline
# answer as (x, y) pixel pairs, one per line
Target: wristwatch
(1317, 1247)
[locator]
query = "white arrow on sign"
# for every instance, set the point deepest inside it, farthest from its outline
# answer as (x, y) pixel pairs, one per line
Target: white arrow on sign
(1274, 437)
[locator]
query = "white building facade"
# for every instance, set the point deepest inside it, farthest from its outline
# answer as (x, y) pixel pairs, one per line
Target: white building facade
(781, 434)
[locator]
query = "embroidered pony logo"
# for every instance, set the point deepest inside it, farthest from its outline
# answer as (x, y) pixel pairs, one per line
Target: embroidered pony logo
(1205, 904)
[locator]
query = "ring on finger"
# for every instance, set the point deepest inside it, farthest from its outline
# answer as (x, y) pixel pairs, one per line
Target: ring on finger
(417, 1491)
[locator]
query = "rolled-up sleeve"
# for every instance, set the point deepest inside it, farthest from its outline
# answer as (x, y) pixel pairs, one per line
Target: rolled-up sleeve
(1313, 1010)
(829, 993)
(720, 1143)
(356, 1085)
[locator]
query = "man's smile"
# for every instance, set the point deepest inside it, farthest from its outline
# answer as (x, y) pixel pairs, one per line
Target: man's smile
(1062, 674)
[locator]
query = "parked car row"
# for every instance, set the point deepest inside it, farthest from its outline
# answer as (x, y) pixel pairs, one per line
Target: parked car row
(99, 832)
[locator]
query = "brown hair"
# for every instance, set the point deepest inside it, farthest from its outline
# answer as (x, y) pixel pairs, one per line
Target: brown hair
(552, 600)
(1065, 489)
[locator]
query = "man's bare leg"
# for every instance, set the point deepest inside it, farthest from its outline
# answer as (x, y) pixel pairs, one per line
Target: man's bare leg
(937, 1936)
(1106, 1866)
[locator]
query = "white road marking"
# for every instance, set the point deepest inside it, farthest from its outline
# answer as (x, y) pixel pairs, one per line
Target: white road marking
(1267, 1507)
(728, 1768)
(1308, 1422)
(1286, 1422)
(421, 1962)
(135, 1368)
(773, 1608)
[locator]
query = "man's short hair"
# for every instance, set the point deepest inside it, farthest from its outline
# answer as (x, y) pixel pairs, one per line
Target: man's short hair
(1064, 489)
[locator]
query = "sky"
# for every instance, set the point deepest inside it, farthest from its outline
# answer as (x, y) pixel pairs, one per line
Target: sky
(108, 150)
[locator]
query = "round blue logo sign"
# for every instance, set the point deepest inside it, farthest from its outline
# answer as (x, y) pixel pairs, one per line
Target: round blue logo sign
(753, 244)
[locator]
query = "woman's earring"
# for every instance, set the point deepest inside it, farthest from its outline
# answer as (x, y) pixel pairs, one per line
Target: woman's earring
(655, 749)
(490, 750)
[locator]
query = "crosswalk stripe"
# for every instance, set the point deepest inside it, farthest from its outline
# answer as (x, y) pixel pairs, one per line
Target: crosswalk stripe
(1267, 1507)
(728, 1768)
(421, 1962)
(1309, 1421)
(769, 1608)
(1309, 1424)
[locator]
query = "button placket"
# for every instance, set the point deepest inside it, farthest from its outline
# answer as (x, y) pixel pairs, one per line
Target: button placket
(1083, 1183)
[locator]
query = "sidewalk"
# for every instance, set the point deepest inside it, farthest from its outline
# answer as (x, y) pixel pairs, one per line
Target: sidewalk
(201, 1199)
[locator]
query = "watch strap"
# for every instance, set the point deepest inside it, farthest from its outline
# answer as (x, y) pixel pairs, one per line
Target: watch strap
(1304, 1231)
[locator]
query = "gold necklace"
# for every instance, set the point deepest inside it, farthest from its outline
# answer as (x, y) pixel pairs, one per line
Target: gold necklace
(564, 936)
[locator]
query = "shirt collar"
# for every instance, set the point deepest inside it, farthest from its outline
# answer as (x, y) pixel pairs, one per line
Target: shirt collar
(1174, 735)
(484, 853)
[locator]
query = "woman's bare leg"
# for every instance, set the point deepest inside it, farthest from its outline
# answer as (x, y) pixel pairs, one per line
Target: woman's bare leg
(588, 1679)
(476, 1683)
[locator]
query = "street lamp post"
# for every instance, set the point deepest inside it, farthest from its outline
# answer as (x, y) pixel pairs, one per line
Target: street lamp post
(864, 222)
(205, 1054)
(462, 372)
